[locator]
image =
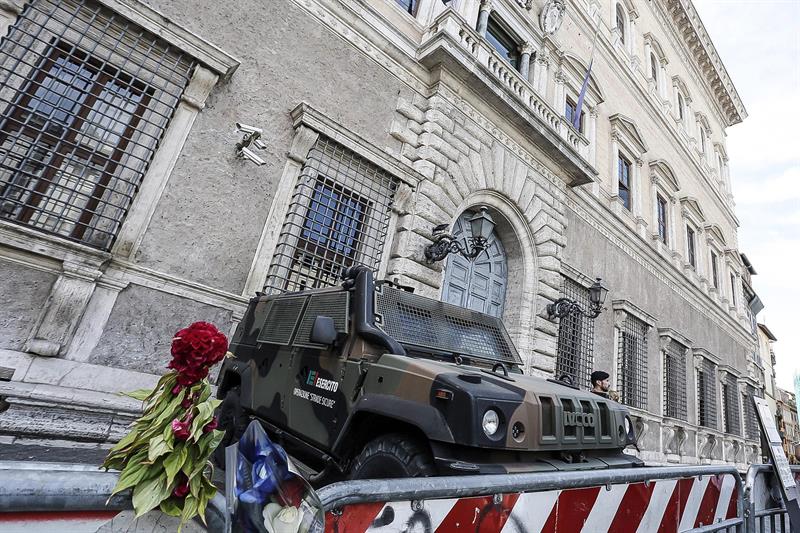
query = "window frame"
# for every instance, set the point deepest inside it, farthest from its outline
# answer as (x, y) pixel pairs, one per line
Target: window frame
(570, 108)
(714, 269)
(67, 143)
(624, 170)
(662, 219)
(621, 23)
(498, 31)
(691, 246)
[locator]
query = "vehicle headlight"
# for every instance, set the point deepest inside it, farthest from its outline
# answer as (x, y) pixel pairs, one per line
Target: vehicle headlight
(627, 426)
(491, 422)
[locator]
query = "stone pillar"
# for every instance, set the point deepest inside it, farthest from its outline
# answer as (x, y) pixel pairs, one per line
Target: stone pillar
(672, 225)
(591, 134)
(541, 72)
(9, 10)
(144, 205)
(483, 16)
(559, 92)
(66, 304)
(525, 60)
(302, 143)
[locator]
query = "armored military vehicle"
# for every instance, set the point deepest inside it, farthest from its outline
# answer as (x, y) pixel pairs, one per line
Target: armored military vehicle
(370, 380)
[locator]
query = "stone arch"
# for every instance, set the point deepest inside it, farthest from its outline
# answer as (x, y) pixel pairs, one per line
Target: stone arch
(518, 240)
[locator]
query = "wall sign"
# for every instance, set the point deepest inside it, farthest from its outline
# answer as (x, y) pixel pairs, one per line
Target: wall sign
(779, 462)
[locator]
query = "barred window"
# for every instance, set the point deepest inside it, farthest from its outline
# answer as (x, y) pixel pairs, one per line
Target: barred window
(338, 217)
(632, 362)
(575, 356)
(707, 394)
(730, 406)
(661, 207)
(85, 98)
(675, 380)
(750, 423)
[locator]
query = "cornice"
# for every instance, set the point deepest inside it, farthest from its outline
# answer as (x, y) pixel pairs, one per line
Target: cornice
(305, 115)
(144, 16)
(699, 45)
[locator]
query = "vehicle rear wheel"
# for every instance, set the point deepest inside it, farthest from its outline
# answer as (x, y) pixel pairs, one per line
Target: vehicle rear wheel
(393, 455)
(232, 420)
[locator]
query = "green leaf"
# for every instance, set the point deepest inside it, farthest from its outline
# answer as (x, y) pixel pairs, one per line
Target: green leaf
(195, 485)
(125, 441)
(139, 394)
(205, 391)
(205, 412)
(130, 476)
(171, 507)
(174, 462)
(169, 411)
(149, 494)
(158, 447)
(189, 509)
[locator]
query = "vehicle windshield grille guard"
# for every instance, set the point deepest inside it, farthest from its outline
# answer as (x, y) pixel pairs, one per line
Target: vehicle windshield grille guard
(435, 325)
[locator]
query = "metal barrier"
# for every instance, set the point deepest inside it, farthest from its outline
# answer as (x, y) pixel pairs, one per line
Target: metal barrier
(37, 488)
(764, 510)
(690, 498)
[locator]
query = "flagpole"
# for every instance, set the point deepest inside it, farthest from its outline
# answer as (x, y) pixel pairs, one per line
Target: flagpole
(576, 120)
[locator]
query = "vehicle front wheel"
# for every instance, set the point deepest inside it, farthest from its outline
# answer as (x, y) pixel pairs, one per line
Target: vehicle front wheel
(231, 420)
(394, 455)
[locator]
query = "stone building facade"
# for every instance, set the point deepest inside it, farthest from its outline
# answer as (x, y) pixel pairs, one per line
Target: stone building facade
(127, 213)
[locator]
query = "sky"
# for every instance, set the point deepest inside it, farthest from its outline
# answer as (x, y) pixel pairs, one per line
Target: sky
(759, 43)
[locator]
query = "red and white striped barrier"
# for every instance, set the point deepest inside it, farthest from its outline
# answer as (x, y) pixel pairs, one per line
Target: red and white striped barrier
(663, 506)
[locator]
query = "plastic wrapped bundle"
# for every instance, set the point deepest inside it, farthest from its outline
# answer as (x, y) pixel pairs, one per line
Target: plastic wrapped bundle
(271, 496)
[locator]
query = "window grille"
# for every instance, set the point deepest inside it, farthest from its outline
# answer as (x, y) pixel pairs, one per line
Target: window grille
(338, 217)
(707, 394)
(85, 98)
(675, 380)
(632, 362)
(730, 406)
(575, 356)
(749, 409)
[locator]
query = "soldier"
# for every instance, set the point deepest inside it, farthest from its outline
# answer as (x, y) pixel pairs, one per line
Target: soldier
(600, 383)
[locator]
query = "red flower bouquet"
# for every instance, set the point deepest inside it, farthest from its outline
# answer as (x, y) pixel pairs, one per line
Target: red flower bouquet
(164, 457)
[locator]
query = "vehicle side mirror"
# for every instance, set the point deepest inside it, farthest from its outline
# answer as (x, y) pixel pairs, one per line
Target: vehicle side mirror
(323, 331)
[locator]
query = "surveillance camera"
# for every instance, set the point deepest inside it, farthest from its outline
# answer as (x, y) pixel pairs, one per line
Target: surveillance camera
(259, 144)
(249, 154)
(247, 129)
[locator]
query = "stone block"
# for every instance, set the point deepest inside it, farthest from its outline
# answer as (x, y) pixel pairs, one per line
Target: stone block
(430, 275)
(461, 133)
(410, 111)
(400, 131)
(19, 361)
(432, 127)
(456, 144)
(440, 118)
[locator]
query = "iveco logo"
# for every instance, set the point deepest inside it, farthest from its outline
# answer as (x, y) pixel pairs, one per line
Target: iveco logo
(578, 419)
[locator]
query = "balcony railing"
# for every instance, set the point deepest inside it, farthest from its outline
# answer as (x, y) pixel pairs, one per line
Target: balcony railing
(452, 43)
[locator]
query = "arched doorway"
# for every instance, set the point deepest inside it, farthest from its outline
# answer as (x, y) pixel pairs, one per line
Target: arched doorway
(478, 285)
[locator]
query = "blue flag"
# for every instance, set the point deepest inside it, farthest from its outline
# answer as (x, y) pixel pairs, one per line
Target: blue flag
(576, 120)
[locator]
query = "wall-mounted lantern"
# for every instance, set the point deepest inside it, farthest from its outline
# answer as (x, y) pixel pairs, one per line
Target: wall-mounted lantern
(444, 243)
(564, 306)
